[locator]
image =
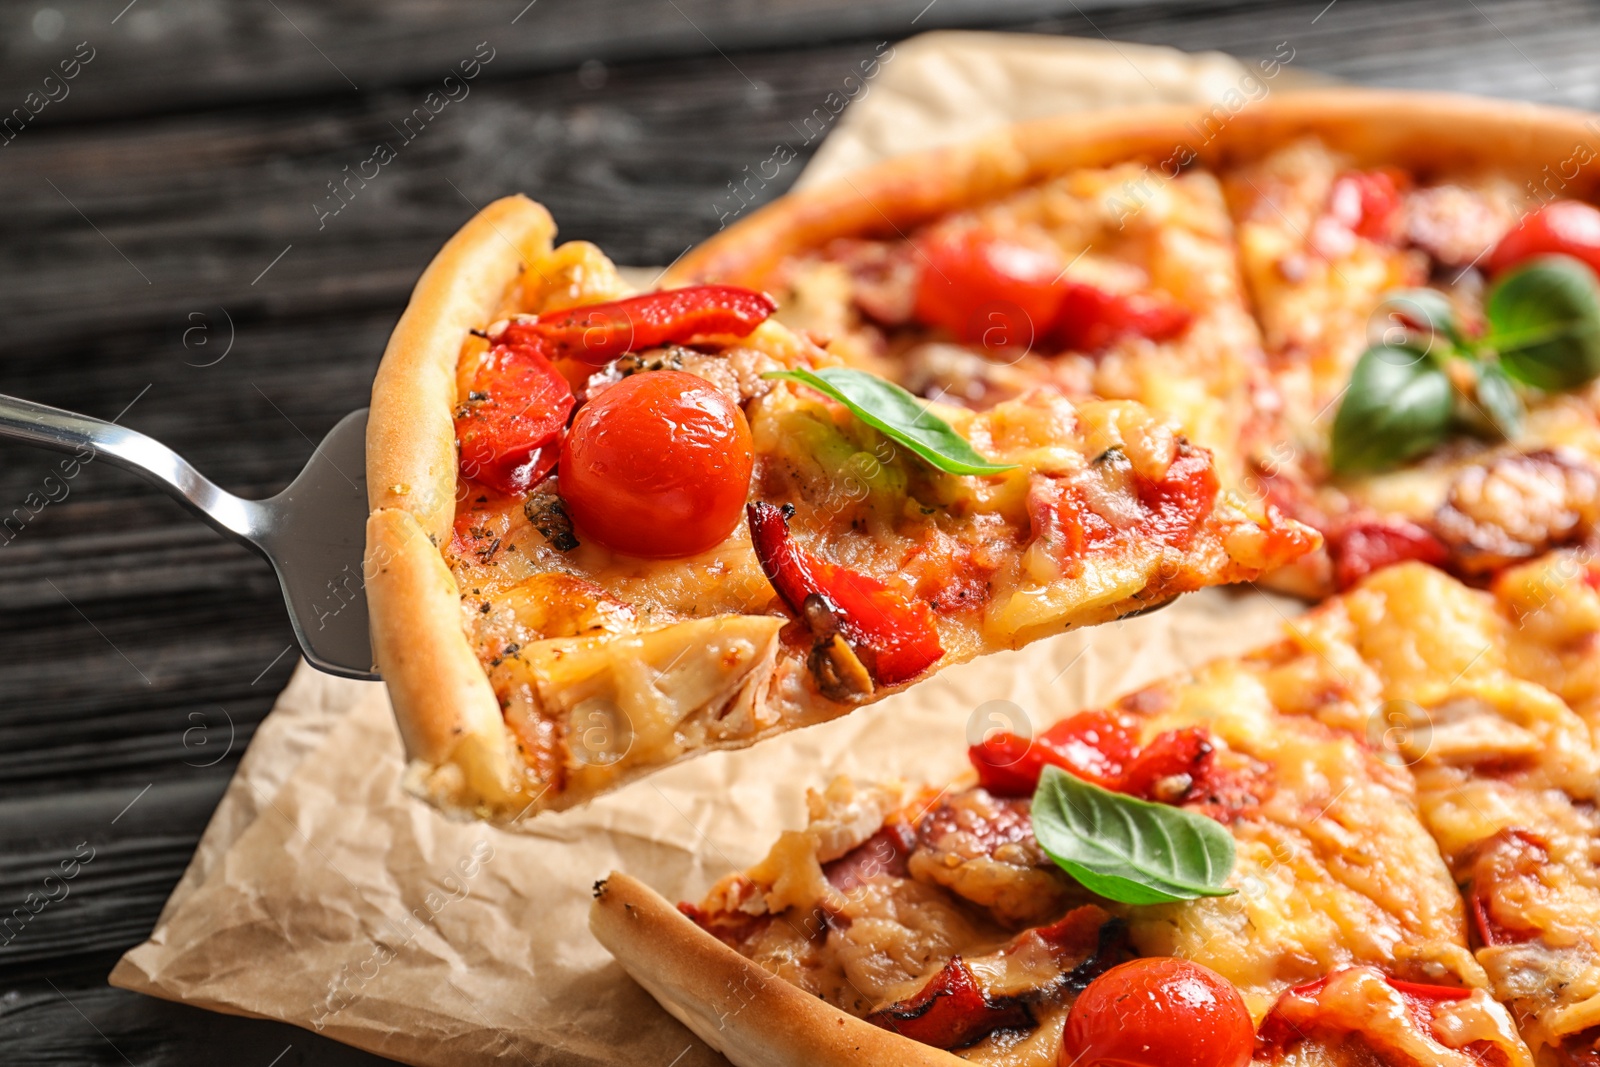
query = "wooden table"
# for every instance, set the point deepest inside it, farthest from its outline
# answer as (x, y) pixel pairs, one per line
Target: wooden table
(171, 258)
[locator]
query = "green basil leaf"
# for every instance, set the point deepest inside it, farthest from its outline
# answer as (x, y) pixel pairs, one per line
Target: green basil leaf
(1398, 406)
(1498, 400)
(1417, 310)
(897, 415)
(1127, 849)
(1544, 320)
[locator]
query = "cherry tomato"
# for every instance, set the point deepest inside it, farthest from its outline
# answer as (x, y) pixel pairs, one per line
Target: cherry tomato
(1367, 202)
(1564, 226)
(657, 465)
(1158, 1012)
(986, 289)
(510, 426)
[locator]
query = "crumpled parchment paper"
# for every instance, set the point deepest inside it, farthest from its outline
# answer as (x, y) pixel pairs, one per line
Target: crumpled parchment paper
(323, 896)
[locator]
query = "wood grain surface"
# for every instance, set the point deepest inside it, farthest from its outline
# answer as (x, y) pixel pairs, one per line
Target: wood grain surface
(170, 258)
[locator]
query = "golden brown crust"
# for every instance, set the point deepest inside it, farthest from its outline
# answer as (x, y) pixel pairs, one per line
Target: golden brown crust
(442, 699)
(1427, 133)
(447, 712)
(411, 455)
(752, 1017)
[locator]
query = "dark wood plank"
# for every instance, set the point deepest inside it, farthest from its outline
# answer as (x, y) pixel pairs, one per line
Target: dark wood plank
(194, 145)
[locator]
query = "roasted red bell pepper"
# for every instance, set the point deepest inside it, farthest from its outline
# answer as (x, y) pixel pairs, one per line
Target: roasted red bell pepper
(598, 333)
(1359, 548)
(1277, 1031)
(510, 426)
(1094, 745)
(1089, 319)
(951, 1011)
(894, 638)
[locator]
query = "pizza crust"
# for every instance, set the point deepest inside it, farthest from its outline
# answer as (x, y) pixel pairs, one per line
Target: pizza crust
(751, 1016)
(447, 713)
(1428, 133)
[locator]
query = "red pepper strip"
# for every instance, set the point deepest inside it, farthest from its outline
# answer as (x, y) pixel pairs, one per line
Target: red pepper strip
(1360, 548)
(1090, 319)
(1094, 745)
(598, 333)
(894, 638)
(1277, 1032)
(951, 1011)
(1177, 752)
(510, 426)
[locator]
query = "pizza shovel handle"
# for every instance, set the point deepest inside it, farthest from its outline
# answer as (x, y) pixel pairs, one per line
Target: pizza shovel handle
(90, 439)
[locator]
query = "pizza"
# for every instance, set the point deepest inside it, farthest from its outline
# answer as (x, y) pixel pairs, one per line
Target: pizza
(611, 530)
(1407, 779)
(1330, 291)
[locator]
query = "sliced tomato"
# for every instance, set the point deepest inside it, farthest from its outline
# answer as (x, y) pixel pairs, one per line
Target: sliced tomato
(510, 427)
(1089, 319)
(1158, 1012)
(894, 637)
(1567, 227)
(951, 1011)
(598, 333)
(986, 289)
(1286, 1023)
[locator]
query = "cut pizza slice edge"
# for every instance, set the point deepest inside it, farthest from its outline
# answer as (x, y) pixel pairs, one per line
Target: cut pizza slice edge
(546, 636)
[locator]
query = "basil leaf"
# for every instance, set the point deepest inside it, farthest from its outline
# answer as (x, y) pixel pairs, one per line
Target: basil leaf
(1398, 406)
(897, 415)
(1544, 320)
(1417, 310)
(1127, 849)
(1498, 400)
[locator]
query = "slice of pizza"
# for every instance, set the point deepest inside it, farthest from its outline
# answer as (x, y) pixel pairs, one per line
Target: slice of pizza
(1491, 699)
(1216, 870)
(612, 530)
(1432, 365)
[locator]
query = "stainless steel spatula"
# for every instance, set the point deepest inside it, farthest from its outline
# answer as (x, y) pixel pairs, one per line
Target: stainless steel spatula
(312, 533)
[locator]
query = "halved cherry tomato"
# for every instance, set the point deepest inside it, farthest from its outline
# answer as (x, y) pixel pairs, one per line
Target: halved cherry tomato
(510, 426)
(1089, 318)
(598, 333)
(1367, 202)
(1286, 1024)
(894, 637)
(1001, 293)
(1569, 227)
(1158, 1012)
(986, 289)
(657, 465)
